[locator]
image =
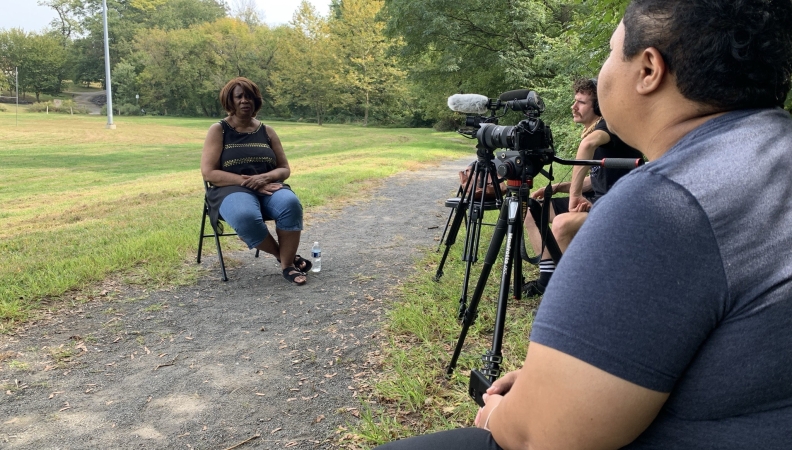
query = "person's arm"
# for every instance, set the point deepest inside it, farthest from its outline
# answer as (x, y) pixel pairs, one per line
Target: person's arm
(614, 335)
(559, 401)
(269, 182)
(586, 150)
(562, 187)
(210, 160)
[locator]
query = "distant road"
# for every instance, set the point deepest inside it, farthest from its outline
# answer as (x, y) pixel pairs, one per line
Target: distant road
(93, 100)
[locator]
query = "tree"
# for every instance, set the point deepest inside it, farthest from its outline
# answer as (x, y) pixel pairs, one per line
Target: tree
(67, 22)
(40, 59)
(179, 71)
(453, 46)
(126, 18)
(367, 65)
(248, 12)
(124, 83)
(307, 75)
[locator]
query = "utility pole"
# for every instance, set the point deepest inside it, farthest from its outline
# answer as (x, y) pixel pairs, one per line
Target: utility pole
(16, 82)
(110, 124)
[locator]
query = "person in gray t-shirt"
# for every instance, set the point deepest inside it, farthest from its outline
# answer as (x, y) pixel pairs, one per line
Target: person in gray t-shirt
(671, 326)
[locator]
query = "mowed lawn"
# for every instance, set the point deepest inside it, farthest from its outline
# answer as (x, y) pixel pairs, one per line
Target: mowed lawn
(79, 202)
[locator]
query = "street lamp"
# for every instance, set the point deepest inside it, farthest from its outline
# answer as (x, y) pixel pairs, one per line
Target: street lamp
(110, 124)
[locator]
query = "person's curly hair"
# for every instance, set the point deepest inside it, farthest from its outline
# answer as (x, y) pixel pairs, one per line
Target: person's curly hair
(249, 87)
(728, 54)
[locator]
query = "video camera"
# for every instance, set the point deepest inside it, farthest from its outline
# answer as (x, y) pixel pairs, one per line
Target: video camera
(529, 143)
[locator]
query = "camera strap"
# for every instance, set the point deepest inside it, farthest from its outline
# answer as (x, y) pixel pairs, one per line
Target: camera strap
(542, 220)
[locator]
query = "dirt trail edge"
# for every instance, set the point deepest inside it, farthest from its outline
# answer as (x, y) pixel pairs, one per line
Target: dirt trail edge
(216, 364)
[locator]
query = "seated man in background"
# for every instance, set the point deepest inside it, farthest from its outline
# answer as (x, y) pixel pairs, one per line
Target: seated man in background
(654, 332)
(567, 214)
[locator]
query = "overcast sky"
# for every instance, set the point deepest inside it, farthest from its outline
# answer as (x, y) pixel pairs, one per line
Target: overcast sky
(26, 14)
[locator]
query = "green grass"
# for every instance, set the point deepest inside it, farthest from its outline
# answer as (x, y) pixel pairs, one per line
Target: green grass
(411, 394)
(81, 203)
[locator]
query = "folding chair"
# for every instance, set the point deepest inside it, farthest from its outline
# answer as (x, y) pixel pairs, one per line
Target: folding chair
(216, 233)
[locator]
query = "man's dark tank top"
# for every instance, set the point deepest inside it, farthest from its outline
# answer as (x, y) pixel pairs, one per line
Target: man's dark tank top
(243, 154)
(603, 179)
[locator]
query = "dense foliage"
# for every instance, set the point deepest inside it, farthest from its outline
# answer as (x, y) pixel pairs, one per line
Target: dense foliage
(370, 61)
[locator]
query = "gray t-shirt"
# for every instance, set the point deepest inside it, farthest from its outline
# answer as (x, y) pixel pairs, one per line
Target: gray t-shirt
(681, 281)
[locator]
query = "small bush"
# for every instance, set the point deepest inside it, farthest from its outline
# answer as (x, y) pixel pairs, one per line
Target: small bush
(2, 108)
(66, 107)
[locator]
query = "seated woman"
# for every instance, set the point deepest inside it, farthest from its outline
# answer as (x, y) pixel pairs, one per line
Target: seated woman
(244, 162)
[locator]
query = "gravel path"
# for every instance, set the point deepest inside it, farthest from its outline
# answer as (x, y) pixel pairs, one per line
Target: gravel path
(93, 101)
(216, 364)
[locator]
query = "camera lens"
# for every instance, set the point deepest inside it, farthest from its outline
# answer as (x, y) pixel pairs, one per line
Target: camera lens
(495, 136)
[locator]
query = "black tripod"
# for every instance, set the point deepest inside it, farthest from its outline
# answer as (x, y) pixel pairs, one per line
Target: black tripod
(482, 173)
(509, 225)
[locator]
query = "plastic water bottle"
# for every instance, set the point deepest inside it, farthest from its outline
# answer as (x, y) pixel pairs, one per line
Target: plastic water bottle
(316, 253)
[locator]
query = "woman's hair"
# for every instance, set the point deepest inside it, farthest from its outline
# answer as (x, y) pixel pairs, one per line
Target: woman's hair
(249, 87)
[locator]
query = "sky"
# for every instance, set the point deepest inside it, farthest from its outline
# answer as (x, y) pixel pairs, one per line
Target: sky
(29, 16)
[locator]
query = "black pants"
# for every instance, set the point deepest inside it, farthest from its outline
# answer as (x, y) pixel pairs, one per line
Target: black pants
(459, 439)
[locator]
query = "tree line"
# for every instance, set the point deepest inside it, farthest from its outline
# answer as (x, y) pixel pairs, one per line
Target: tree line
(368, 61)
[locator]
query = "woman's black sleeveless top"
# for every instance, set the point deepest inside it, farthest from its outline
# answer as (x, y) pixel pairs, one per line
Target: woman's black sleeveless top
(243, 154)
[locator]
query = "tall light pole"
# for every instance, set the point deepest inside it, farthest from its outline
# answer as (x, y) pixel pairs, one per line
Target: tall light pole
(107, 69)
(16, 82)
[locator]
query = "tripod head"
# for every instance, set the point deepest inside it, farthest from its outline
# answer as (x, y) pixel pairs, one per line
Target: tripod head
(484, 153)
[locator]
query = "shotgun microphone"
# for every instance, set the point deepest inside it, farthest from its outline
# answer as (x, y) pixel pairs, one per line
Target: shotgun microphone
(469, 103)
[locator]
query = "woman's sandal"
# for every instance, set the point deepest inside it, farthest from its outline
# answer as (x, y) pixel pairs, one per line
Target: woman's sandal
(300, 263)
(291, 273)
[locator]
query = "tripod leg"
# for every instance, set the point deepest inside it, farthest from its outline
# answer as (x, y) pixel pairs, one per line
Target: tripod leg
(455, 224)
(494, 357)
(482, 173)
(459, 214)
(448, 221)
(471, 312)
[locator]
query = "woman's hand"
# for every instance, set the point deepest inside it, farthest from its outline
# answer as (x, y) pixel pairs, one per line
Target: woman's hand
(256, 182)
(269, 188)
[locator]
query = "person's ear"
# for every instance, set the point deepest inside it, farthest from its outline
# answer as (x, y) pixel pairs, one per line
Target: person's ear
(653, 71)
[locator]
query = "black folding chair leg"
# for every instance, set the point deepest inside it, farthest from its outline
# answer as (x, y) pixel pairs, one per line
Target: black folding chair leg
(220, 256)
(201, 236)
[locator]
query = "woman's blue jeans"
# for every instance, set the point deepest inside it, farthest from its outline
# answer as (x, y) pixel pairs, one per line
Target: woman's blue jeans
(247, 212)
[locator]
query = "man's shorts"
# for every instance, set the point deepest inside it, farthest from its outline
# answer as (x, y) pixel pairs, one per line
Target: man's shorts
(561, 204)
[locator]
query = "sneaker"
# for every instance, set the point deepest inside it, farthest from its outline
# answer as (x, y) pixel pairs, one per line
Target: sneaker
(533, 288)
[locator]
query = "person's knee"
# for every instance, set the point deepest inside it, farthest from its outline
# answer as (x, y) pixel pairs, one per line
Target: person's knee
(288, 211)
(245, 219)
(566, 226)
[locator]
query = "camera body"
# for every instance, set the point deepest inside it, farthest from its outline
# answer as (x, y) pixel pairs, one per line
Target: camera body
(529, 143)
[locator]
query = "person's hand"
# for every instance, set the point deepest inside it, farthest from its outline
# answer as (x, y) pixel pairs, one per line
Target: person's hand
(269, 188)
(490, 403)
(503, 385)
(256, 182)
(579, 204)
(538, 194)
